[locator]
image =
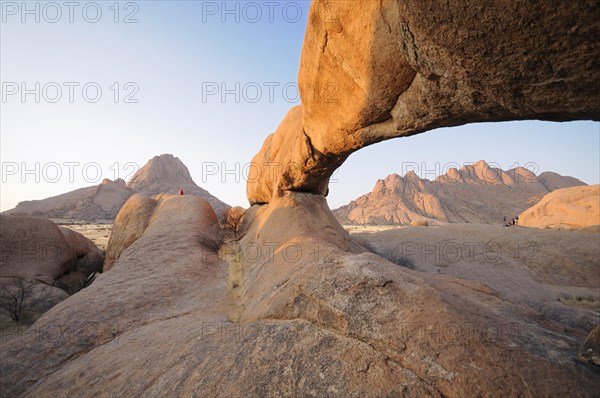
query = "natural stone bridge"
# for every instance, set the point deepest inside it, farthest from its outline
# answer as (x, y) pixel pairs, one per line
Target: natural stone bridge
(375, 70)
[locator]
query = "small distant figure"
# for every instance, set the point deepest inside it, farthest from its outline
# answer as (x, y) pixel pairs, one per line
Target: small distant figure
(517, 220)
(181, 192)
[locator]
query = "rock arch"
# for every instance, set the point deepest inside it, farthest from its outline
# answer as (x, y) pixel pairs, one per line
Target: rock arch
(375, 70)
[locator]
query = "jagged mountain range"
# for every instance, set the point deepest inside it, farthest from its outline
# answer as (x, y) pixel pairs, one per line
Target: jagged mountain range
(162, 174)
(473, 193)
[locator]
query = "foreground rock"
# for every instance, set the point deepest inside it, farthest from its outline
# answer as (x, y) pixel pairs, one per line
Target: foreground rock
(162, 174)
(569, 208)
(473, 193)
(129, 226)
(166, 292)
(590, 350)
(43, 261)
(546, 272)
(306, 317)
(89, 260)
(451, 333)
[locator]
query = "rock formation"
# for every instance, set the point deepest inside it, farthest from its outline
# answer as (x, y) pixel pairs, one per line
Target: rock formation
(130, 224)
(312, 313)
(166, 174)
(89, 260)
(372, 71)
(568, 208)
(310, 306)
(591, 348)
(168, 279)
(395, 200)
(392, 69)
(473, 193)
(162, 174)
(36, 249)
(100, 202)
(136, 216)
(553, 181)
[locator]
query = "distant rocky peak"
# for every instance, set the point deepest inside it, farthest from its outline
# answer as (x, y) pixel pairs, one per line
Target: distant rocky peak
(118, 181)
(522, 175)
(411, 175)
(488, 174)
(453, 175)
(393, 182)
(161, 169)
(554, 181)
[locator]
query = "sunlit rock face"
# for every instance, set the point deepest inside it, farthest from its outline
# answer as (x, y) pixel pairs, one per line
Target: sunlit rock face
(387, 69)
(567, 208)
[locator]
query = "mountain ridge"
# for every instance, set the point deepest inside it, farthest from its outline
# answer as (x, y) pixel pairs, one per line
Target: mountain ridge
(162, 174)
(472, 193)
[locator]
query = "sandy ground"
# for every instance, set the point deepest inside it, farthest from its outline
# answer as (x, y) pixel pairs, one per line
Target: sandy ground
(99, 233)
(371, 228)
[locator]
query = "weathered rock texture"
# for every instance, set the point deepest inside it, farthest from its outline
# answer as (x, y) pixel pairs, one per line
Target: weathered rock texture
(36, 249)
(167, 291)
(535, 268)
(33, 248)
(162, 174)
(129, 226)
(389, 69)
(311, 314)
(473, 193)
(568, 208)
(590, 350)
(137, 215)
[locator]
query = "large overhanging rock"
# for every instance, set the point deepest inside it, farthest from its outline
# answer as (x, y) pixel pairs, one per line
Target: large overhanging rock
(375, 70)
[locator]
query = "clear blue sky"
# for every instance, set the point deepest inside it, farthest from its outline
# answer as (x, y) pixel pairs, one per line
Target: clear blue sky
(172, 57)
